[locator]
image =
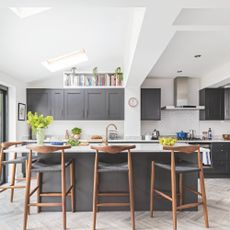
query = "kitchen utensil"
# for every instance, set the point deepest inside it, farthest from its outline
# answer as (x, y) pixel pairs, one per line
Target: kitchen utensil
(155, 134)
(148, 137)
(181, 135)
(226, 137)
(191, 134)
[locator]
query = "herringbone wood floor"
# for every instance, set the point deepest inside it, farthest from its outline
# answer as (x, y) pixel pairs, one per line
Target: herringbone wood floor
(218, 193)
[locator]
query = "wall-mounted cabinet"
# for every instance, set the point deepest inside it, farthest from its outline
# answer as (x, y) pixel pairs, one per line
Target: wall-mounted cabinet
(213, 100)
(77, 104)
(150, 104)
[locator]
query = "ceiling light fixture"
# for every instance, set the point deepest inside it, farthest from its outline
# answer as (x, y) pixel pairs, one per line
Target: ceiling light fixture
(24, 12)
(197, 56)
(66, 60)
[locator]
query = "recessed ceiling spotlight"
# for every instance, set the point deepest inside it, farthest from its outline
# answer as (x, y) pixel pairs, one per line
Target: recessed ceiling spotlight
(197, 56)
(179, 71)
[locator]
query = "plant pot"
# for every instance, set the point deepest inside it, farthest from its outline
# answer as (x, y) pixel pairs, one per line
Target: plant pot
(40, 136)
(77, 136)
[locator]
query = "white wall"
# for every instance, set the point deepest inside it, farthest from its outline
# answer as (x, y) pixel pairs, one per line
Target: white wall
(173, 121)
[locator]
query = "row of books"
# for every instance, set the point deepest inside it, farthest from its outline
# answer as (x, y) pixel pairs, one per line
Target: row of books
(90, 80)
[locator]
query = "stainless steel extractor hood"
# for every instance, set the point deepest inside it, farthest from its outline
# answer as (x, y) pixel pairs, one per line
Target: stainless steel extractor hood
(184, 95)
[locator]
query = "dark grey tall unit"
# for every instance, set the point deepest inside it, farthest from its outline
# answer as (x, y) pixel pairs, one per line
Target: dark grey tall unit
(150, 104)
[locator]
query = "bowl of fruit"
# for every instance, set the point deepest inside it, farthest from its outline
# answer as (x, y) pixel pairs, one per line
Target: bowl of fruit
(168, 141)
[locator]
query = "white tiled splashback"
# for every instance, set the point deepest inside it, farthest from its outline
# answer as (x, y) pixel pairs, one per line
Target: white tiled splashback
(58, 128)
(174, 121)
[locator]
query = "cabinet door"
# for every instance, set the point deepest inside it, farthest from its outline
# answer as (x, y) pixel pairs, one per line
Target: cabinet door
(150, 104)
(227, 104)
(95, 102)
(213, 99)
(115, 104)
(57, 104)
(38, 100)
(220, 156)
(74, 104)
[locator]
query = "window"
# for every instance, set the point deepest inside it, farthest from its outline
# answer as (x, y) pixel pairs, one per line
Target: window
(3, 122)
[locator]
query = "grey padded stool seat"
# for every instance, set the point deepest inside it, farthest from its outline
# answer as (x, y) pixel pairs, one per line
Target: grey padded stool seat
(107, 167)
(182, 167)
(179, 169)
(14, 161)
(101, 167)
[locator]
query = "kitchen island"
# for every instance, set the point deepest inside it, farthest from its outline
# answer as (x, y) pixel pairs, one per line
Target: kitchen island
(116, 181)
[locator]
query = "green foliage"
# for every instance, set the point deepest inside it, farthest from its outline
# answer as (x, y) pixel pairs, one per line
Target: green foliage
(119, 73)
(73, 142)
(95, 72)
(38, 121)
(76, 131)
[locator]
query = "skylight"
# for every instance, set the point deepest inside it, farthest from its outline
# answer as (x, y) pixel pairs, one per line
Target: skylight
(66, 60)
(24, 12)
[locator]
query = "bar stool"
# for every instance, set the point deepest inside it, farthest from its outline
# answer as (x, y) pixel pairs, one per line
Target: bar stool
(179, 169)
(101, 167)
(40, 168)
(14, 161)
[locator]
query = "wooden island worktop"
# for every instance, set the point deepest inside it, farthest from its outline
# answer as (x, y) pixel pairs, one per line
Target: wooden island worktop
(142, 156)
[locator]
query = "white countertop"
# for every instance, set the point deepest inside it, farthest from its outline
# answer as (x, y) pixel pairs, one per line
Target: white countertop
(151, 148)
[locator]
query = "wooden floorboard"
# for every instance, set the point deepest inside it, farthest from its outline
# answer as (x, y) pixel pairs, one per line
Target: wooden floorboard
(218, 194)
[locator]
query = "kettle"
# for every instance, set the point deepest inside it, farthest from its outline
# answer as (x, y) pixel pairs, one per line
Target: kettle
(155, 134)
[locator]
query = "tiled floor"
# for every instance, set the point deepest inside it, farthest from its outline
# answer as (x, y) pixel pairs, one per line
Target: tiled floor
(218, 193)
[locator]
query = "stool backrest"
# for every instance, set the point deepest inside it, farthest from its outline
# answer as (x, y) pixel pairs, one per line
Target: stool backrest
(183, 149)
(6, 145)
(113, 149)
(45, 149)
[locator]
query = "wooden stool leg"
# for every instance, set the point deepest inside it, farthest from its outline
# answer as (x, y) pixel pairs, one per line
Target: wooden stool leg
(181, 189)
(173, 185)
(63, 185)
(13, 179)
(152, 187)
(131, 191)
(95, 192)
(39, 182)
(72, 181)
(2, 155)
(98, 185)
(204, 200)
(27, 191)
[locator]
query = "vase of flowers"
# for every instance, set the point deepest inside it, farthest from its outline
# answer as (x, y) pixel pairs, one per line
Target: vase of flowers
(39, 123)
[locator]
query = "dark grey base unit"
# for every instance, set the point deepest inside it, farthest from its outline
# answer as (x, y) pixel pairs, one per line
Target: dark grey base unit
(117, 181)
(77, 104)
(220, 157)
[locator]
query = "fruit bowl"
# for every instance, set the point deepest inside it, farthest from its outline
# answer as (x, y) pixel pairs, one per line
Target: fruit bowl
(168, 141)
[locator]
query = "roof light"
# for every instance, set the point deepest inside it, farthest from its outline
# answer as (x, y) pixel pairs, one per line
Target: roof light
(24, 12)
(66, 60)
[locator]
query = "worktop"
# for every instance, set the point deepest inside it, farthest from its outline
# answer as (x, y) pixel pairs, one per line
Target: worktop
(147, 148)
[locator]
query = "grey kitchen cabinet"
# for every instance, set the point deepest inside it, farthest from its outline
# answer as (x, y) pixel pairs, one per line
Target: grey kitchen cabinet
(220, 158)
(74, 104)
(227, 104)
(39, 100)
(77, 104)
(57, 104)
(150, 104)
(213, 100)
(115, 104)
(95, 104)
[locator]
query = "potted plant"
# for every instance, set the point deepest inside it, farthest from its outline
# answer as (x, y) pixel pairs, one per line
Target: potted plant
(76, 133)
(38, 123)
(119, 76)
(95, 75)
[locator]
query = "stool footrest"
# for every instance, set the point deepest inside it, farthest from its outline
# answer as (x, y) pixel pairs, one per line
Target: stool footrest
(113, 204)
(68, 191)
(113, 194)
(45, 204)
(191, 205)
(163, 194)
(12, 186)
(53, 194)
(34, 190)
